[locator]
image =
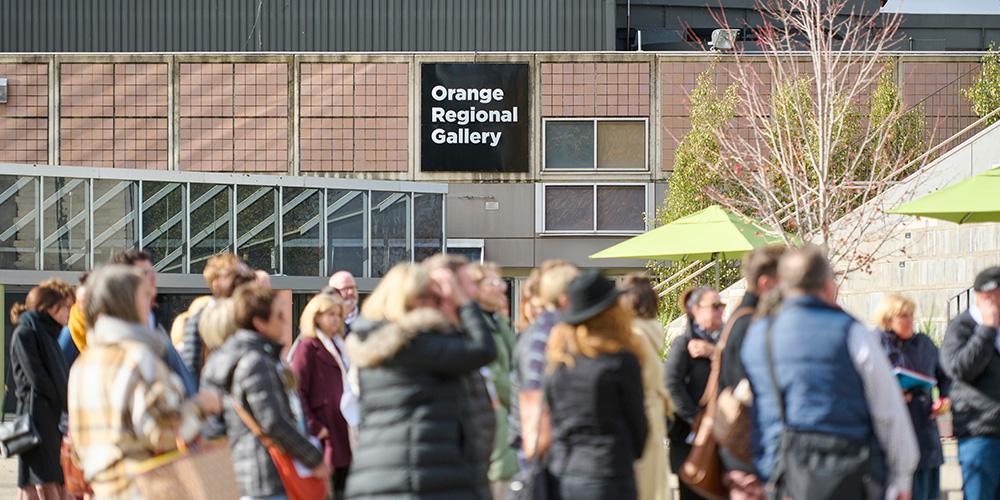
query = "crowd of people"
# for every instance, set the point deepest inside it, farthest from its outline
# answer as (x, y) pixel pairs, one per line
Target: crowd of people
(433, 388)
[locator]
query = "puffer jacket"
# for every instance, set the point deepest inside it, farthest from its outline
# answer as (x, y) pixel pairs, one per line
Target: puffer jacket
(418, 432)
(247, 368)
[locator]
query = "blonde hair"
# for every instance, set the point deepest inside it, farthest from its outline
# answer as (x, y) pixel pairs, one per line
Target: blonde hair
(552, 284)
(396, 294)
(478, 271)
(319, 304)
(609, 332)
(892, 306)
(217, 323)
(217, 265)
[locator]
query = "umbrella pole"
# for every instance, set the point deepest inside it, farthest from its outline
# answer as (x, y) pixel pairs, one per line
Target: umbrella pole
(715, 258)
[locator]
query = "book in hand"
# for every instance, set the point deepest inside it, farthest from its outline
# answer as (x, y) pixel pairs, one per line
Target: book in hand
(910, 379)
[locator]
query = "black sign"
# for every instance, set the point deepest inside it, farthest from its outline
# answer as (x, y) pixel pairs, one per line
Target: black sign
(474, 118)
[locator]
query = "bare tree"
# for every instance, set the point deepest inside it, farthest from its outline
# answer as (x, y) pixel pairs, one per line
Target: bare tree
(817, 135)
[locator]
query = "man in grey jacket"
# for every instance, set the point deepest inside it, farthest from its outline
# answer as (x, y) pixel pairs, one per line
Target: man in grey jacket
(969, 354)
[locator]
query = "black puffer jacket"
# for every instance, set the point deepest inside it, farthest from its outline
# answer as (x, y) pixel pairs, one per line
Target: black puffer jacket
(418, 433)
(246, 368)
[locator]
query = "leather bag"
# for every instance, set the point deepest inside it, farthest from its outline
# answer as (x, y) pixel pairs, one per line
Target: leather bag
(296, 487)
(76, 485)
(702, 470)
(19, 435)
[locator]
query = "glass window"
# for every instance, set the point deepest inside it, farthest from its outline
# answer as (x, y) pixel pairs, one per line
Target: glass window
(621, 208)
(390, 233)
(621, 144)
(257, 227)
(19, 207)
(300, 242)
(346, 227)
(211, 222)
(116, 220)
(163, 218)
(569, 144)
(569, 208)
(66, 210)
(428, 232)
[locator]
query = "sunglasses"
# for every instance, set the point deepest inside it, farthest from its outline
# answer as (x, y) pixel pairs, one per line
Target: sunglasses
(714, 305)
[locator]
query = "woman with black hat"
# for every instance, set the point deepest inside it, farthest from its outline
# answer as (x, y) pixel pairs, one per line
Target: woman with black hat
(594, 393)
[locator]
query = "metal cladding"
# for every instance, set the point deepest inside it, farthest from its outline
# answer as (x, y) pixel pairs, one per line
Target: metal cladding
(306, 25)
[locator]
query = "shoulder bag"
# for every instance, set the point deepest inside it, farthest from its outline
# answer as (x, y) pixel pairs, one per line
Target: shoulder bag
(732, 415)
(702, 470)
(814, 465)
(76, 485)
(537, 483)
(19, 435)
(297, 487)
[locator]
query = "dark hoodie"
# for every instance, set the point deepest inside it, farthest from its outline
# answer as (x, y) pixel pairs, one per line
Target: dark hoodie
(418, 436)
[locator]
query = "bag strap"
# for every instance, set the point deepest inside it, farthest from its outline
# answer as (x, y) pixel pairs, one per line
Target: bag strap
(712, 387)
(251, 424)
(769, 348)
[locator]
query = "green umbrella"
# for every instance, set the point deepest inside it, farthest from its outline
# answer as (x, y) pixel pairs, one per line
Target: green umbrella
(710, 234)
(976, 199)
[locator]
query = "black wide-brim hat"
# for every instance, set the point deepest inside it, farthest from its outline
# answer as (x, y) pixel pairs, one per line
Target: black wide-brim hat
(589, 294)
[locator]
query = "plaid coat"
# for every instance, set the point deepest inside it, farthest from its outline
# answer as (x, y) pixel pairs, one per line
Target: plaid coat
(125, 404)
(247, 367)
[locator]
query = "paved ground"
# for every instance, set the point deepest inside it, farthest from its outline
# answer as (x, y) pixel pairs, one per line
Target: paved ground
(951, 475)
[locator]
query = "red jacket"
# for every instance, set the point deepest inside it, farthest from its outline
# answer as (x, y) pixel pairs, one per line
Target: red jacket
(321, 387)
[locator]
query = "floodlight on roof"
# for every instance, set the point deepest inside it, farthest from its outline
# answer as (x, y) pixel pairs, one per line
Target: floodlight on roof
(723, 40)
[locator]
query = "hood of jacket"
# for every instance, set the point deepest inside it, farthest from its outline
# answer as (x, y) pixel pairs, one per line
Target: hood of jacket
(222, 362)
(372, 343)
(109, 330)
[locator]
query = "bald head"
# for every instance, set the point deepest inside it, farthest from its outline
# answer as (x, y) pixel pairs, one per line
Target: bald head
(343, 281)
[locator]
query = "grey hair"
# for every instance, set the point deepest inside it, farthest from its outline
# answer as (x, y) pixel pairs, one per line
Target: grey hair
(111, 292)
(695, 296)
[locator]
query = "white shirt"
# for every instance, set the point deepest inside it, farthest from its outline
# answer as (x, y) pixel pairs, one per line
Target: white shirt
(890, 417)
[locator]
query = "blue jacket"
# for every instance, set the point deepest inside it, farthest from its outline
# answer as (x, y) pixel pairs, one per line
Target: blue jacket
(822, 390)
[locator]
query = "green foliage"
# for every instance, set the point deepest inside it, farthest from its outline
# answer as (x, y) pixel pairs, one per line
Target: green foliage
(985, 91)
(690, 179)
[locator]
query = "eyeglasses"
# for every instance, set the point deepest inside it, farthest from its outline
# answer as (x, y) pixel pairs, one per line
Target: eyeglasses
(714, 305)
(498, 283)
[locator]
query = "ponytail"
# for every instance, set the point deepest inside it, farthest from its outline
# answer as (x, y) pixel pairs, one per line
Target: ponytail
(16, 311)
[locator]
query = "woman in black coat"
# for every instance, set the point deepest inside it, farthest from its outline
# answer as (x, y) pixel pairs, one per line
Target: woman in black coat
(594, 394)
(687, 368)
(40, 378)
(417, 432)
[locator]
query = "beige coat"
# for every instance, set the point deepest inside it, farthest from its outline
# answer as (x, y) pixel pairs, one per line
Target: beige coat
(652, 470)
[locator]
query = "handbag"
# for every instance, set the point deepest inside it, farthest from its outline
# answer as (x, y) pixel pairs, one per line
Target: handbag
(19, 435)
(537, 483)
(76, 485)
(814, 465)
(702, 469)
(731, 427)
(202, 472)
(297, 487)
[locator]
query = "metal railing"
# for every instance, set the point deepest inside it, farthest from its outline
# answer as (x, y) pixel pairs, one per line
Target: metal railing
(957, 300)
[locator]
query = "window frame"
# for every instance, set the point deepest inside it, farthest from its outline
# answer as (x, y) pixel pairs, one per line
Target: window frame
(555, 171)
(540, 223)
